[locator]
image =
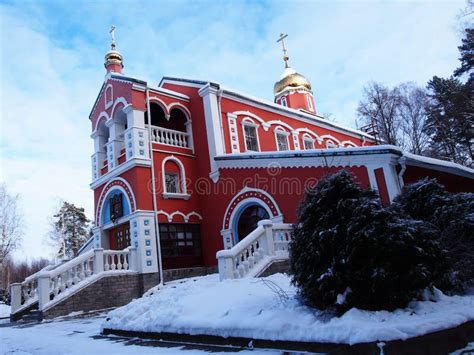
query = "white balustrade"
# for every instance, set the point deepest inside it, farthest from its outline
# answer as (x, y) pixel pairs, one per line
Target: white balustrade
(169, 137)
(55, 280)
(268, 242)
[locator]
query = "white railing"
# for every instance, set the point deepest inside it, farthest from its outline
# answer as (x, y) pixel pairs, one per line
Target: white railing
(249, 257)
(170, 137)
(55, 281)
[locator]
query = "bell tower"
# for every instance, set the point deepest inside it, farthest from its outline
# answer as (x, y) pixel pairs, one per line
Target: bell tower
(293, 90)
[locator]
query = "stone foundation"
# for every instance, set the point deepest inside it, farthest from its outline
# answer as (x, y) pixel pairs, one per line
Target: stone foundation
(276, 267)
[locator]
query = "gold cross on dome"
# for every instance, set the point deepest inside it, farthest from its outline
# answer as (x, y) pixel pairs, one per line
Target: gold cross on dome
(112, 34)
(282, 40)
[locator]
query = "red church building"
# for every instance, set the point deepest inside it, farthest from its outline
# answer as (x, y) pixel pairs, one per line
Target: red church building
(188, 167)
(189, 175)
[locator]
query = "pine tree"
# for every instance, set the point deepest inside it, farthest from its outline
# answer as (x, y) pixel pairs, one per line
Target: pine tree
(69, 230)
(452, 214)
(348, 251)
(450, 119)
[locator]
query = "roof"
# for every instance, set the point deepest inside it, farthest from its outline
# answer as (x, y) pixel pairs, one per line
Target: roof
(282, 109)
(404, 157)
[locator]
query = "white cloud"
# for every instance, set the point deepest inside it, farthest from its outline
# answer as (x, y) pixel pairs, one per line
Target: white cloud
(51, 69)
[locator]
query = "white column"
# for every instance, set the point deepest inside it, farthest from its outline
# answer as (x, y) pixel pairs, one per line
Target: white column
(391, 180)
(15, 294)
(215, 140)
(136, 135)
(98, 261)
(43, 290)
(270, 244)
(142, 230)
(296, 141)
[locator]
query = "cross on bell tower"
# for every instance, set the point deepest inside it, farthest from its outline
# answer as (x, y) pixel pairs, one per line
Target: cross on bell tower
(113, 59)
(285, 56)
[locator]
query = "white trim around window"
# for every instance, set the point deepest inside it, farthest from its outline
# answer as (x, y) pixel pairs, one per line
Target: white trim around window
(308, 142)
(182, 194)
(248, 122)
(280, 132)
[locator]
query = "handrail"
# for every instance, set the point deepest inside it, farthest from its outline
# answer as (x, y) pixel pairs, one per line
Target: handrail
(45, 285)
(250, 256)
(69, 264)
(244, 243)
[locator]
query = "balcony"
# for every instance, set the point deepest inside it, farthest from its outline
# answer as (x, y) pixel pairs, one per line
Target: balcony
(170, 137)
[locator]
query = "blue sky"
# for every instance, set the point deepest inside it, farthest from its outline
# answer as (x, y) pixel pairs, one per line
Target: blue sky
(52, 68)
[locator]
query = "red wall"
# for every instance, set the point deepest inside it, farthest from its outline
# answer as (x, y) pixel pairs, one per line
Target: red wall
(453, 183)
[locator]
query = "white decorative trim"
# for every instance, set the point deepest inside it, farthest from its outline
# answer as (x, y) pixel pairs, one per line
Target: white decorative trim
(125, 193)
(182, 177)
(329, 137)
(264, 124)
(103, 114)
(213, 120)
(312, 119)
(107, 104)
(174, 195)
(281, 131)
(346, 143)
(247, 121)
(233, 133)
(186, 217)
(118, 101)
(162, 104)
(280, 123)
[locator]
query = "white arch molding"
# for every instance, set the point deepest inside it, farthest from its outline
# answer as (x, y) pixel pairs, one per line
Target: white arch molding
(246, 197)
(115, 184)
(182, 173)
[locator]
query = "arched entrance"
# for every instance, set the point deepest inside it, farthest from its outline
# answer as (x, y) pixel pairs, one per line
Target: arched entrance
(248, 220)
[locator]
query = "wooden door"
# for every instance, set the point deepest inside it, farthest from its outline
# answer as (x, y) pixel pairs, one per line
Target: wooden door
(120, 237)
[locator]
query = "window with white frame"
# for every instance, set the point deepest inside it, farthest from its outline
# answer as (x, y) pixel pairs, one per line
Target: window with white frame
(331, 144)
(310, 103)
(308, 143)
(172, 185)
(282, 140)
(283, 101)
(250, 136)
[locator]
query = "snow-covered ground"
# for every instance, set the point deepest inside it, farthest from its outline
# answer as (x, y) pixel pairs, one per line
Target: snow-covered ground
(82, 336)
(4, 310)
(250, 308)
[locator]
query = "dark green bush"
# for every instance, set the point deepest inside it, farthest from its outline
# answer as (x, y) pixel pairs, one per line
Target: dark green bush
(348, 251)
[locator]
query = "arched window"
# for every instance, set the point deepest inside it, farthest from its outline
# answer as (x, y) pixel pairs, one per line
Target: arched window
(174, 179)
(158, 117)
(331, 144)
(250, 135)
(281, 138)
(283, 101)
(308, 142)
(116, 206)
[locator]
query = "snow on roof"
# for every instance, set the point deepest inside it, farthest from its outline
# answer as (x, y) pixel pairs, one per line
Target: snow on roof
(408, 158)
(288, 71)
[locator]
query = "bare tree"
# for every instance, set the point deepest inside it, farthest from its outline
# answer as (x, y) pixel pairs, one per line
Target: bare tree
(379, 107)
(412, 111)
(11, 224)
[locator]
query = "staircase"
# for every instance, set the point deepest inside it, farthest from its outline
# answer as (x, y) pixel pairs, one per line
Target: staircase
(265, 245)
(55, 284)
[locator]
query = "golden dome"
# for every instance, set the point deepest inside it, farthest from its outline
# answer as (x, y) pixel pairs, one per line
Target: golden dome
(113, 57)
(291, 79)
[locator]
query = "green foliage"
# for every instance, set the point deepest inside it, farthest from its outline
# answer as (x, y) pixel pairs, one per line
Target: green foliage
(348, 251)
(69, 230)
(452, 214)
